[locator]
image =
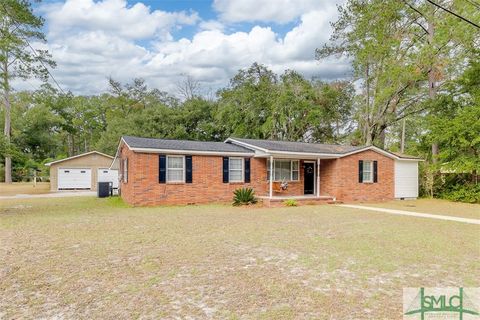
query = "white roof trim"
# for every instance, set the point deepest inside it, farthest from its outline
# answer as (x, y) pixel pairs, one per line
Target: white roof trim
(192, 152)
(381, 151)
(118, 149)
(299, 154)
(78, 156)
(247, 145)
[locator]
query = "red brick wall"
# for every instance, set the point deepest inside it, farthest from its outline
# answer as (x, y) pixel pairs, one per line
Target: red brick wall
(143, 188)
(339, 178)
(328, 177)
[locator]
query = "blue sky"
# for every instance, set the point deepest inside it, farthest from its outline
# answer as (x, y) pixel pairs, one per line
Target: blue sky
(205, 10)
(164, 41)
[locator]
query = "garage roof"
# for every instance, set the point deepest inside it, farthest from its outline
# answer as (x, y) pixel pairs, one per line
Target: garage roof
(78, 156)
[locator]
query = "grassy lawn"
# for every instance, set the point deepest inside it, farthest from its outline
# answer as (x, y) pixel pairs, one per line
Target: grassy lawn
(24, 188)
(434, 206)
(96, 258)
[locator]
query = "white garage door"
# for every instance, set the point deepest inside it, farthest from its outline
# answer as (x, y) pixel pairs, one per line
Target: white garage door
(106, 175)
(73, 178)
(406, 179)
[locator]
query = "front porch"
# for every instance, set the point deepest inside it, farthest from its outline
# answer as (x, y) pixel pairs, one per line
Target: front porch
(296, 177)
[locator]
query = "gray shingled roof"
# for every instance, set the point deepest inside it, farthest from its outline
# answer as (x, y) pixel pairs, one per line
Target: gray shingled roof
(271, 145)
(288, 146)
(150, 143)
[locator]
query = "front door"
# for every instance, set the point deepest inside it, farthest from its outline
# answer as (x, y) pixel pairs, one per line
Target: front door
(309, 178)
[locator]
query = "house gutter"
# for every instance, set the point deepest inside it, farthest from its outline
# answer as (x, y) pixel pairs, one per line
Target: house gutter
(192, 152)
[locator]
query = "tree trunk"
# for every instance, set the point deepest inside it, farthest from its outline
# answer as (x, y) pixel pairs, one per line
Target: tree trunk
(369, 135)
(368, 129)
(432, 92)
(7, 128)
(402, 141)
(381, 139)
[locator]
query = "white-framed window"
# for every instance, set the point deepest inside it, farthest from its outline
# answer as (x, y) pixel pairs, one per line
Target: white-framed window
(367, 171)
(125, 170)
(235, 169)
(295, 170)
(288, 170)
(175, 169)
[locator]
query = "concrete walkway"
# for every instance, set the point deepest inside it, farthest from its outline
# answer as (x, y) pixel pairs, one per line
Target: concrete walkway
(52, 195)
(413, 214)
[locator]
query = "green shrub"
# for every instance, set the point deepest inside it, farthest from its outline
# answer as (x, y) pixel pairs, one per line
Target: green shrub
(290, 203)
(462, 193)
(244, 196)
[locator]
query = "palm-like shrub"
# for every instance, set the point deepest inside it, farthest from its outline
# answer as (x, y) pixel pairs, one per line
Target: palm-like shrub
(244, 196)
(290, 203)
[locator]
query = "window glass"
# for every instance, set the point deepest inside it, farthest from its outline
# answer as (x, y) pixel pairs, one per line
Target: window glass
(367, 171)
(295, 165)
(175, 162)
(295, 174)
(235, 164)
(284, 170)
(235, 169)
(175, 170)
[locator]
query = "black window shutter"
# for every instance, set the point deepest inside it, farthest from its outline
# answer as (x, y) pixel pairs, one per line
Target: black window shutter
(360, 171)
(225, 169)
(188, 169)
(162, 168)
(375, 167)
(247, 170)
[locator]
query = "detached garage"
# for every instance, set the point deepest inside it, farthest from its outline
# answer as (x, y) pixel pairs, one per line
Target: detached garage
(82, 172)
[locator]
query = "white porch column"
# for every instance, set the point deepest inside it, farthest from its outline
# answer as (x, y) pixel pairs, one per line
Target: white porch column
(318, 177)
(271, 177)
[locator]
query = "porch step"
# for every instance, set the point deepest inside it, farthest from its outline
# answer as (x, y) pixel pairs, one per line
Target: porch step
(301, 200)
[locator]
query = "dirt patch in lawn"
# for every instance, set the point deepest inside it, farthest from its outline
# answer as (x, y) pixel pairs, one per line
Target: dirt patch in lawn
(96, 258)
(24, 188)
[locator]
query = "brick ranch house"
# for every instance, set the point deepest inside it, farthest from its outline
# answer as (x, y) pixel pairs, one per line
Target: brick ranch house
(159, 171)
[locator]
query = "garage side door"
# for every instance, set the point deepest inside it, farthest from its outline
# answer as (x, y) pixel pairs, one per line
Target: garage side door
(73, 178)
(406, 179)
(106, 175)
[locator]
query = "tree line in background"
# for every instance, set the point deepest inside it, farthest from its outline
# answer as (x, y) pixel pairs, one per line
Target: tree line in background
(47, 124)
(415, 88)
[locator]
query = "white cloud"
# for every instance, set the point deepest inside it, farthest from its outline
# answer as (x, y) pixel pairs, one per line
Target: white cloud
(211, 25)
(279, 11)
(89, 48)
(114, 17)
(214, 56)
